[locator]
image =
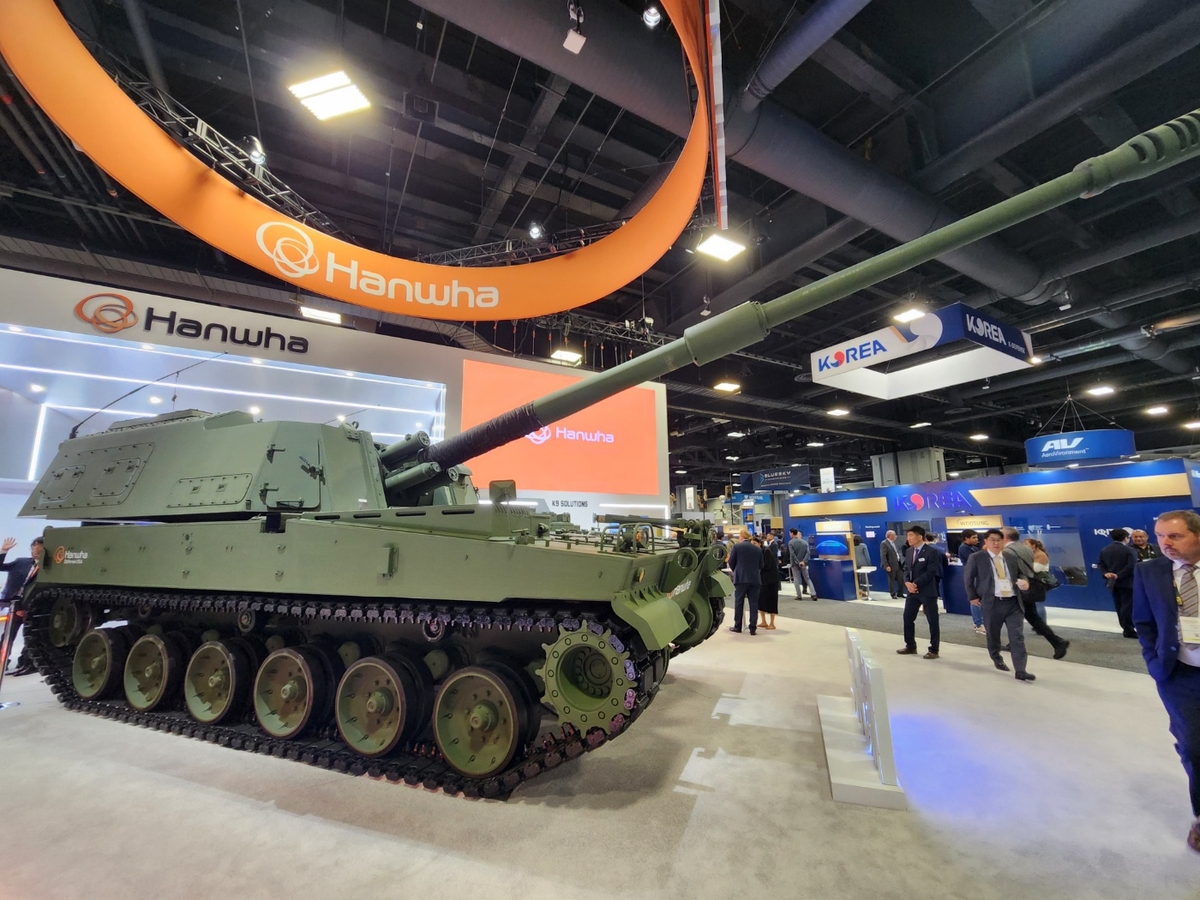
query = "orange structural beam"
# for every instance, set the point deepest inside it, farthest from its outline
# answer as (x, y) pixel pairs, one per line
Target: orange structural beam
(74, 91)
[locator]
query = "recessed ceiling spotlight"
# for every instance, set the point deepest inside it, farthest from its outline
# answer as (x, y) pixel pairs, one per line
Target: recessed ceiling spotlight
(952, 474)
(16, 328)
(1157, 411)
(1036, 360)
(254, 410)
(838, 411)
(155, 400)
(341, 418)
(920, 424)
(851, 469)
(1191, 426)
(733, 458)
(37, 388)
(736, 434)
(815, 444)
(729, 387)
(979, 437)
(681, 471)
(1101, 390)
(909, 315)
(795, 465)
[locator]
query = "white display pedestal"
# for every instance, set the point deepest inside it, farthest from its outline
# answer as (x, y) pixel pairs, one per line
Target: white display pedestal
(857, 735)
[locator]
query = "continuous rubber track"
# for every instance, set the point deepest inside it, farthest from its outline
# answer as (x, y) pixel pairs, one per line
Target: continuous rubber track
(418, 764)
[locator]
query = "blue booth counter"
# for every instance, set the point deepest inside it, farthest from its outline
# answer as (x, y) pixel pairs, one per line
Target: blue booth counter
(833, 579)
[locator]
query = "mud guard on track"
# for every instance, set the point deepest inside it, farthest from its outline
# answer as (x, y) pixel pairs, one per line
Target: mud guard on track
(656, 616)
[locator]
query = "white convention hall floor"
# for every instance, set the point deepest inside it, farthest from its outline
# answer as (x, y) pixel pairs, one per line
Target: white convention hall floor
(1067, 788)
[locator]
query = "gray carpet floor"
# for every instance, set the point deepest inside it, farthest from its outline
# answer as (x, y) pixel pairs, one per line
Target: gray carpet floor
(1092, 648)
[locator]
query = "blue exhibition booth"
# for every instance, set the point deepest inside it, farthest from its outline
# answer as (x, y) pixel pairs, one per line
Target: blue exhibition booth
(1071, 510)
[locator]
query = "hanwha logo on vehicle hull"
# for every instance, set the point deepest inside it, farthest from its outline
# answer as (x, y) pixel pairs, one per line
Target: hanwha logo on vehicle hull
(290, 249)
(540, 436)
(60, 554)
(107, 313)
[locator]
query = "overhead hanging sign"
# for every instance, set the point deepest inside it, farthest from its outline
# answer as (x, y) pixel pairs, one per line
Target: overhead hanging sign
(989, 347)
(792, 478)
(1068, 447)
(82, 100)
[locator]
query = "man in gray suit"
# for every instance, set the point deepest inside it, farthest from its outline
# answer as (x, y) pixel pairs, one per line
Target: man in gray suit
(889, 558)
(989, 578)
(798, 563)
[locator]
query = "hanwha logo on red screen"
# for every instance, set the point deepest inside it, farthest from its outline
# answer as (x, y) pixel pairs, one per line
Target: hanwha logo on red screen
(540, 436)
(290, 249)
(107, 313)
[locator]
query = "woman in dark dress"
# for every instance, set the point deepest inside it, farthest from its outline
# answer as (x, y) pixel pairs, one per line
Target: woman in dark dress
(768, 594)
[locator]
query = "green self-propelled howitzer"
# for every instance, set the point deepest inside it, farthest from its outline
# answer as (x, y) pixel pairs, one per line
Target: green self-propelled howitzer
(300, 590)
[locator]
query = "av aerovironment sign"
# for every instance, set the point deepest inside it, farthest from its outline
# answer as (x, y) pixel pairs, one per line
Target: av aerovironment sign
(1067, 447)
(989, 348)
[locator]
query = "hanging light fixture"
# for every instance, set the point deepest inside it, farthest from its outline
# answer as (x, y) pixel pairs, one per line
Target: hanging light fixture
(651, 15)
(254, 149)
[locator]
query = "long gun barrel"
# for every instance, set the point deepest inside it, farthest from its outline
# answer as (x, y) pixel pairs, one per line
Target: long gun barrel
(1144, 155)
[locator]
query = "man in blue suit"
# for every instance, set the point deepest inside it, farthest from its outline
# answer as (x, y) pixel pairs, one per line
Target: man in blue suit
(1166, 611)
(922, 565)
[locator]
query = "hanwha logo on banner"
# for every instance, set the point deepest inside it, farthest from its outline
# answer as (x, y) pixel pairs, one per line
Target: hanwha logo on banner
(107, 313)
(540, 436)
(289, 248)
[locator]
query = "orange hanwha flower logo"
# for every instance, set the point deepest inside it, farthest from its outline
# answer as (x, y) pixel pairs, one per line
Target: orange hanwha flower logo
(60, 554)
(107, 313)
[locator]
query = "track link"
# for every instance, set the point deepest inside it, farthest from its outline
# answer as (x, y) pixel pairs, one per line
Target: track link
(418, 764)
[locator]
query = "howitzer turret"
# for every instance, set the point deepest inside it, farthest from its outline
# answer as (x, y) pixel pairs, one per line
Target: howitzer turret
(303, 591)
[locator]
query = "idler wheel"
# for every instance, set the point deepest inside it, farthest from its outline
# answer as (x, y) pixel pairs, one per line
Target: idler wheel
(379, 703)
(99, 662)
(217, 682)
(154, 670)
(68, 620)
(480, 719)
(294, 690)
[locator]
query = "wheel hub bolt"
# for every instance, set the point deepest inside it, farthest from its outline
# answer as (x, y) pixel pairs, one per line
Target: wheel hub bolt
(380, 702)
(293, 690)
(484, 716)
(216, 679)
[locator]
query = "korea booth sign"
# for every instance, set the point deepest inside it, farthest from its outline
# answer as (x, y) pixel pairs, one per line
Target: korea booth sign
(988, 348)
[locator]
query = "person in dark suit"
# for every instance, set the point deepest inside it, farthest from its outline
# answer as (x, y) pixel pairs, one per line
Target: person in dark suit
(20, 572)
(1116, 563)
(889, 558)
(745, 559)
(1166, 608)
(1140, 541)
(922, 563)
(988, 578)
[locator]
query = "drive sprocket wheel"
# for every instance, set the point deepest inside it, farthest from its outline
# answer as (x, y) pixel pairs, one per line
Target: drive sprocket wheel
(587, 677)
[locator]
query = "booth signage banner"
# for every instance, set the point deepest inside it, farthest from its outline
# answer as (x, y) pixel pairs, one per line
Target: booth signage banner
(92, 109)
(1193, 471)
(993, 349)
(789, 479)
(1100, 445)
(954, 523)
(827, 482)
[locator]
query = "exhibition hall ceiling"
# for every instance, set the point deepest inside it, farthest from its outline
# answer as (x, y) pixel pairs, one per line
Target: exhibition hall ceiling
(482, 126)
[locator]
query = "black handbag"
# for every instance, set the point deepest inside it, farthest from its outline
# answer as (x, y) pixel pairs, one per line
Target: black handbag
(1047, 581)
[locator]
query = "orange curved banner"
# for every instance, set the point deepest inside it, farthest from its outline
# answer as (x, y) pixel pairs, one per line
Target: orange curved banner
(74, 91)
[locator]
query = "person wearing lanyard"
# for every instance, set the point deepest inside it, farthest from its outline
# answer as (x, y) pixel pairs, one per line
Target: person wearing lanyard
(988, 579)
(1166, 616)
